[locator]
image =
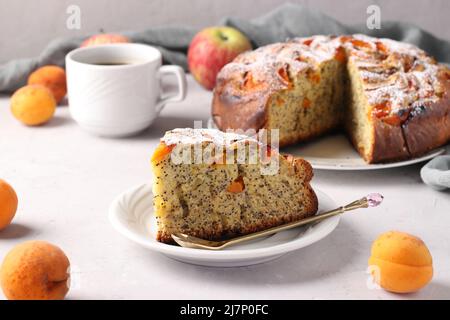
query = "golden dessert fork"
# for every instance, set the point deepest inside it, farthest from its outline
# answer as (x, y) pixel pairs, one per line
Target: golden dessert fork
(187, 241)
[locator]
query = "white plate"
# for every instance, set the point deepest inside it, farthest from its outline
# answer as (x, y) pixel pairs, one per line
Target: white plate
(334, 152)
(131, 213)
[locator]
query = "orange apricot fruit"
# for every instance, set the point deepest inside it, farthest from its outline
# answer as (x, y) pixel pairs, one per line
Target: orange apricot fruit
(400, 262)
(8, 204)
(35, 270)
(33, 105)
(52, 77)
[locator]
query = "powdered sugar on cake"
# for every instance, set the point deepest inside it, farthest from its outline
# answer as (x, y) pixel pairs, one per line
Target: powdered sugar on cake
(191, 136)
(395, 73)
(402, 76)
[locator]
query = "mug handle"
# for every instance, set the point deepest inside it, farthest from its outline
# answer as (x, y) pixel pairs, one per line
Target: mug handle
(182, 86)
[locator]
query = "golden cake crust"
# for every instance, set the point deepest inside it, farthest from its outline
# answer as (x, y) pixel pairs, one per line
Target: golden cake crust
(407, 90)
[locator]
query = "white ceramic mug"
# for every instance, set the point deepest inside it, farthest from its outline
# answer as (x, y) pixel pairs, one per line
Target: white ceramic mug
(115, 90)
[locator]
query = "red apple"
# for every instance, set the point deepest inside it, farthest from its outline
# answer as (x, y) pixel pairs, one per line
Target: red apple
(211, 49)
(104, 38)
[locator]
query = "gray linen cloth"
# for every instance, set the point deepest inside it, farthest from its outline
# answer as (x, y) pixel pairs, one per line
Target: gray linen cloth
(285, 22)
(436, 173)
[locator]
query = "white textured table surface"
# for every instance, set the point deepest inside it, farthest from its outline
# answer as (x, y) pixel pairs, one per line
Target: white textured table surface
(66, 179)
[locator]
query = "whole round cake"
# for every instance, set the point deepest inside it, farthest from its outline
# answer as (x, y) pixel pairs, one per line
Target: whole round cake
(391, 98)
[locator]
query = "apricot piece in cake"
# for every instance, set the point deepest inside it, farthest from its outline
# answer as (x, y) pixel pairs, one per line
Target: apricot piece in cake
(161, 151)
(250, 84)
(308, 42)
(360, 43)
(381, 110)
(35, 270)
(237, 185)
(381, 47)
(400, 262)
(284, 75)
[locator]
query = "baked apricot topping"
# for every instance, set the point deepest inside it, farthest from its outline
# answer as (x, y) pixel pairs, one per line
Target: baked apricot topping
(360, 44)
(382, 110)
(161, 151)
(283, 73)
(250, 83)
(381, 47)
(340, 55)
(418, 67)
(237, 185)
(307, 42)
(344, 39)
(408, 62)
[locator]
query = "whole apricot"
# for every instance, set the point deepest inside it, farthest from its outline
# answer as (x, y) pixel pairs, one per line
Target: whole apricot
(52, 77)
(35, 270)
(8, 204)
(400, 262)
(33, 105)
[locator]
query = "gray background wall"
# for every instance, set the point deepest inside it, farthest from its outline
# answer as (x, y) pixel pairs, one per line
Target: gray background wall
(26, 26)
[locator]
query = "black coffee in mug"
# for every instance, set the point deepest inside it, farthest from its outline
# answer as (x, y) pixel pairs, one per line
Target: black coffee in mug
(114, 63)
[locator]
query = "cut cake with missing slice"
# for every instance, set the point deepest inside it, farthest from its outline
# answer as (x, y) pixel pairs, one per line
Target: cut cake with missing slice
(216, 185)
(392, 98)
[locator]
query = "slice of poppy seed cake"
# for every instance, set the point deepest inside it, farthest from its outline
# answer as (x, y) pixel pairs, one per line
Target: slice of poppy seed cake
(215, 185)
